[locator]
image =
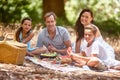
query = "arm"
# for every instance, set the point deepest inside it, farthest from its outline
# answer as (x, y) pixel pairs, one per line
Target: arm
(37, 51)
(28, 38)
(94, 52)
(39, 45)
(53, 49)
(78, 43)
(65, 36)
(68, 44)
(77, 57)
(77, 46)
(84, 58)
(98, 34)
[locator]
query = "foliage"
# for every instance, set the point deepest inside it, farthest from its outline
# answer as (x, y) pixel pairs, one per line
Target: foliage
(106, 12)
(110, 26)
(35, 11)
(14, 10)
(11, 10)
(103, 10)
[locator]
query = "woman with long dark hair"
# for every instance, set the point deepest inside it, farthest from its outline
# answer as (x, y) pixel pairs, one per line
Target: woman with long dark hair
(85, 18)
(24, 33)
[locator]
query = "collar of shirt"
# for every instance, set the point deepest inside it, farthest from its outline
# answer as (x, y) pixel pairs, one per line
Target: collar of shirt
(47, 34)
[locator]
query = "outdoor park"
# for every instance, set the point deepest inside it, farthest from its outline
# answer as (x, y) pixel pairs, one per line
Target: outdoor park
(106, 17)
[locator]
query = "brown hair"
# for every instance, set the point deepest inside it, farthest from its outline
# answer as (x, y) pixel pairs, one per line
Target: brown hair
(20, 29)
(92, 28)
(79, 27)
(49, 14)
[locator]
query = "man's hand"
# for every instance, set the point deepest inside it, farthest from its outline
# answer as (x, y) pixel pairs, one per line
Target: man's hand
(51, 48)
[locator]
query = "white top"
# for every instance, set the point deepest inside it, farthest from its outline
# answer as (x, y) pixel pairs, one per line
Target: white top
(109, 48)
(95, 48)
(103, 52)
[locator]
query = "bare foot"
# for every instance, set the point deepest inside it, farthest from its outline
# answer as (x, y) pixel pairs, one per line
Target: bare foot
(79, 65)
(115, 67)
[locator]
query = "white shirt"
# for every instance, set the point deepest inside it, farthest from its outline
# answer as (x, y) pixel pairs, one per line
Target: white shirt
(109, 48)
(95, 48)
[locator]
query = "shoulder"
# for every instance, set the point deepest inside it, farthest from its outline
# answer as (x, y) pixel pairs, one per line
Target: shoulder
(43, 31)
(98, 31)
(96, 42)
(62, 29)
(94, 25)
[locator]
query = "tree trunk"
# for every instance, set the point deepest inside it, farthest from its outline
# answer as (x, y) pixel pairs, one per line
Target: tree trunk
(57, 6)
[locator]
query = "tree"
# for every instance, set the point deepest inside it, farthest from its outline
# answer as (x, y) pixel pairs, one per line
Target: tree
(11, 10)
(56, 6)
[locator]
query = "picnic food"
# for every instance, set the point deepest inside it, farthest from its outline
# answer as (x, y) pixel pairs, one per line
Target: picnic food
(48, 55)
(65, 59)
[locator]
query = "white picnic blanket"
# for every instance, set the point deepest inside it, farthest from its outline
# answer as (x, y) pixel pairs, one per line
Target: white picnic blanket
(59, 67)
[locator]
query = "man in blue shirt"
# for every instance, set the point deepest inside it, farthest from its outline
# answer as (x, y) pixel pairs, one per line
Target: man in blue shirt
(52, 38)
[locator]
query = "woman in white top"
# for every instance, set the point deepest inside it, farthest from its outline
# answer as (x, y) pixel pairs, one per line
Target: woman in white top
(93, 54)
(86, 18)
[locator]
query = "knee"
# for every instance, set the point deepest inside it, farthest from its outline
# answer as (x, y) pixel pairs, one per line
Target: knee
(92, 62)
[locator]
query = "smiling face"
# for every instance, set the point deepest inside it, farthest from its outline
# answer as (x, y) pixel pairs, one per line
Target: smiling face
(86, 18)
(50, 23)
(89, 34)
(26, 25)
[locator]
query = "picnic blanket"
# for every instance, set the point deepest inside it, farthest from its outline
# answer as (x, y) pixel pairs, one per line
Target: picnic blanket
(60, 67)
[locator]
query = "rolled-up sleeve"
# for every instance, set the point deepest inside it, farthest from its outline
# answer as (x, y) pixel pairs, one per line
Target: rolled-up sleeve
(66, 35)
(39, 41)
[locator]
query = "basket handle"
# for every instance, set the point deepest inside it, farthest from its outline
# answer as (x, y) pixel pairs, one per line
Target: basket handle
(7, 36)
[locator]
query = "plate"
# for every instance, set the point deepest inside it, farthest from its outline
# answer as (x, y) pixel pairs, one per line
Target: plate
(48, 55)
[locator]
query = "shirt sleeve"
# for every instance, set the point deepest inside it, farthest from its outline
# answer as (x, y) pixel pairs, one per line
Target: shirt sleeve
(66, 35)
(39, 41)
(95, 48)
(83, 47)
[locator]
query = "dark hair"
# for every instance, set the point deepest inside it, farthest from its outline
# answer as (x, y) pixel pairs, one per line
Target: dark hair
(20, 29)
(26, 18)
(49, 14)
(79, 27)
(86, 10)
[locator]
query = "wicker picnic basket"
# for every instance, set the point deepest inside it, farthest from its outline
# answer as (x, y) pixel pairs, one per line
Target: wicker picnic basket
(12, 52)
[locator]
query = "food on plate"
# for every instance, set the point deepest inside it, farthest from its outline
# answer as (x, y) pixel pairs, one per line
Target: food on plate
(66, 59)
(48, 55)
